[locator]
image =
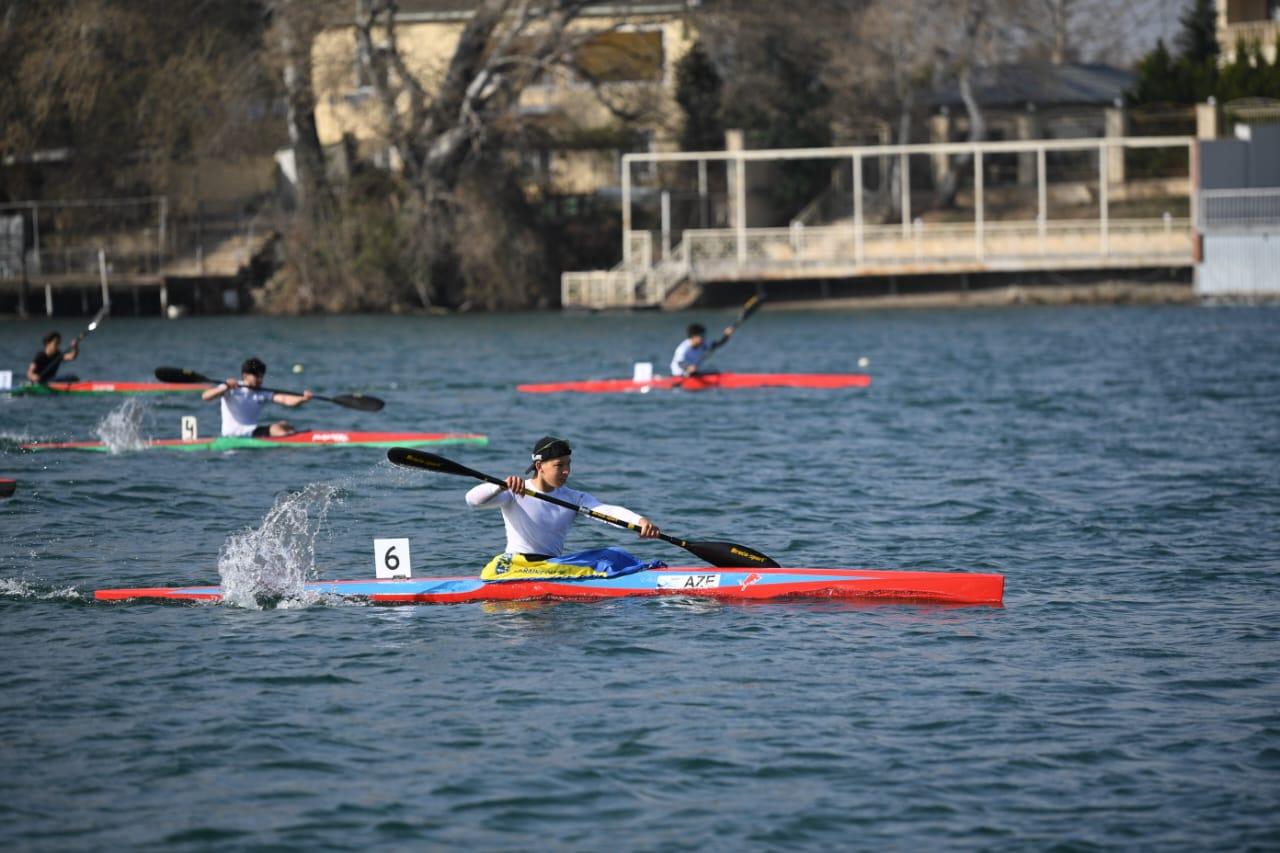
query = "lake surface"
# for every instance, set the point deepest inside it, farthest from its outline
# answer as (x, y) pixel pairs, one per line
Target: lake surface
(1120, 465)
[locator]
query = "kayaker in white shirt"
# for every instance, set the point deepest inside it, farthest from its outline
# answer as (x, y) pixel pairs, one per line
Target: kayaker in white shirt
(242, 403)
(693, 349)
(537, 529)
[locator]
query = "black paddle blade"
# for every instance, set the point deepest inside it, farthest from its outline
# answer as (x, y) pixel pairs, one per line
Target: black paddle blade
(433, 462)
(180, 374)
(729, 555)
(7, 488)
(358, 401)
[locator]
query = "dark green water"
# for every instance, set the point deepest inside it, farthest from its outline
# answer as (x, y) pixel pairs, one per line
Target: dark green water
(1120, 465)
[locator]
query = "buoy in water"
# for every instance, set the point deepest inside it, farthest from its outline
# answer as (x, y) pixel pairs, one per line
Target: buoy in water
(864, 362)
(297, 368)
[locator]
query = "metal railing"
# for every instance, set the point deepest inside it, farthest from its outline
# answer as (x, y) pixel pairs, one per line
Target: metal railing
(1237, 209)
(854, 247)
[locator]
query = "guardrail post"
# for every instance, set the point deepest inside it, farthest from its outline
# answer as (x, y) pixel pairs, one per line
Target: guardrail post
(980, 248)
(904, 169)
(1103, 223)
(1042, 195)
(857, 209)
(740, 205)
(626, 211)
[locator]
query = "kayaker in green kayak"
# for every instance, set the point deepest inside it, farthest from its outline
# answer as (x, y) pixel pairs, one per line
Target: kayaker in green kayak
(44, 366)
(242, 403)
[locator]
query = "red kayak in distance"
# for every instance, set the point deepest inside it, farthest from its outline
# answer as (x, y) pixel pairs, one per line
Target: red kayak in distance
(103, 387)
(702, 382)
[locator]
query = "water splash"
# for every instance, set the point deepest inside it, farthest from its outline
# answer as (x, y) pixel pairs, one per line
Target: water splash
(121, 429)
(269, 566)
(19, 588)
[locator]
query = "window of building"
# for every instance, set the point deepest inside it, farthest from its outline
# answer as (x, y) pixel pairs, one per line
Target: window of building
(622, 56)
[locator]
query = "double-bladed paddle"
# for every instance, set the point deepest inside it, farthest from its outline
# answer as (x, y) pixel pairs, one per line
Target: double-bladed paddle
(52, 366)
(352, 401)
(725, 555)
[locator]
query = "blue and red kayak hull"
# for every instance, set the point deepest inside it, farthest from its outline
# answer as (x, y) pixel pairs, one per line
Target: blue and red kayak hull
(730, 584)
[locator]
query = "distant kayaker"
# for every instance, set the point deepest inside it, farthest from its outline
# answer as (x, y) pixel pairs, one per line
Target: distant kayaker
(44, 367)
(242, 403)
(536, 530)
(693, 349)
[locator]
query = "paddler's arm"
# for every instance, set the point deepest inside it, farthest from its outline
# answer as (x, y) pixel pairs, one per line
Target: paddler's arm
(724, 338)
(488, 494)
(72, 351)
(33, 373)
(291, 400)
(218, 390)
(648, 530)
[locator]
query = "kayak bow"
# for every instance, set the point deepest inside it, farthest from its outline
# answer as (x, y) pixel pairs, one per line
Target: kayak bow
(744, 584)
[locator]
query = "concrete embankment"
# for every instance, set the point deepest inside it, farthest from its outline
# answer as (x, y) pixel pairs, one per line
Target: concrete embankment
(1102, 293)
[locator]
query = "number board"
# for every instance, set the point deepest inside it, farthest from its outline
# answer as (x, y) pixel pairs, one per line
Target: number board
(391, 558)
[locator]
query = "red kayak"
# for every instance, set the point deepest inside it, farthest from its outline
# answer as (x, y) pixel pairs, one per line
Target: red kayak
(730, 584)
(703, 382)
(104, 388)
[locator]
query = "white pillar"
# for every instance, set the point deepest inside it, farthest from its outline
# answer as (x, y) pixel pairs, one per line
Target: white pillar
(1042, 197)
(703, 212)
(666, 224)
(904, 170)
(740, 204)
(978, 191)
(1104, 237)
(626, 213)
(857, 208)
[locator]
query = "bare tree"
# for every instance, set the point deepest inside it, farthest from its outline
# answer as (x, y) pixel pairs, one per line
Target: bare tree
(448, 138)
(1082, 30)
(295, 24)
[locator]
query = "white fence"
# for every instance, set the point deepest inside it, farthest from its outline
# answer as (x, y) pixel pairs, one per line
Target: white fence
(853, 247)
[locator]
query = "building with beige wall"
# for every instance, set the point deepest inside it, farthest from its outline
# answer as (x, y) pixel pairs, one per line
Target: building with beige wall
(1250, 21)
(627, 58)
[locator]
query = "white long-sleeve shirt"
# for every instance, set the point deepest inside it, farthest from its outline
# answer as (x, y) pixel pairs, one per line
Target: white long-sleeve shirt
(536, 526)
(687, 355)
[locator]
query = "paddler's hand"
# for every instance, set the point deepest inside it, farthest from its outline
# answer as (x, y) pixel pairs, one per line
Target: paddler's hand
(306, 395)
(515, 484)
(231, 383)
(728, 331)
(648, 530)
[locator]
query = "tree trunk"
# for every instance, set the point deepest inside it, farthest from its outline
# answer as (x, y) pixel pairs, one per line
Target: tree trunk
(950, 186)
(314, 195)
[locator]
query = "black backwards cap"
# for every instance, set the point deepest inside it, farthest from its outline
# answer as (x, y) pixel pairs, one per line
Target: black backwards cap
(254, 366)
(549, 447)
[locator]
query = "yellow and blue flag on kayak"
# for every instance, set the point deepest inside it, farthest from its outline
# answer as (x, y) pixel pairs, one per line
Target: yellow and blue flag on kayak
(581, 565)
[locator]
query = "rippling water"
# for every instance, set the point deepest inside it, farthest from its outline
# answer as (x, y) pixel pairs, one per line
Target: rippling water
(1120, 465)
